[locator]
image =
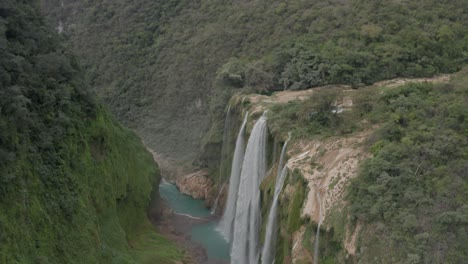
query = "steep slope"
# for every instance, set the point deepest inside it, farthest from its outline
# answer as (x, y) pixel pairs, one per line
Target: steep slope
(166, 68)
(75, 185)
(384, 166)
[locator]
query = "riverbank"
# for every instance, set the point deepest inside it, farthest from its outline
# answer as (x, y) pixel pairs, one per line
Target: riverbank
(189, 224)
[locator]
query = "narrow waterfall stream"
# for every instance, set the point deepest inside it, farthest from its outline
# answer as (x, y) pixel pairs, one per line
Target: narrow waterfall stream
(224, 153)
(247, 219)
(225, 148)
(215, 205)
(317, 235)
(271, 229)
(268, 255)
(226, 225)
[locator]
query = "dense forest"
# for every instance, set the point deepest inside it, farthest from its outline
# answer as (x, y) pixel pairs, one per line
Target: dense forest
(74, 185)
(409, 195)
(159, 64)
(412, 192)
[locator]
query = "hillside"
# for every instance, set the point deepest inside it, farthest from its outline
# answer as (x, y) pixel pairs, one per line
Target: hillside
(167, 68)
(388, 170)
(75, 185)
(374, 94)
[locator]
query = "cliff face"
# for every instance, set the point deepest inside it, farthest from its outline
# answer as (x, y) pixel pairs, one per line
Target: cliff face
(320, 166)
(197, 184)
(335, 144)
(75, 185)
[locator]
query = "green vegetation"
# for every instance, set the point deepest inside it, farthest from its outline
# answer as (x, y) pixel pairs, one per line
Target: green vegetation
(411, 195)
(160, 64)
(167, 68)
(75, 186)
(413, 191)
(294, 216)
(289, 214)
(315, 116)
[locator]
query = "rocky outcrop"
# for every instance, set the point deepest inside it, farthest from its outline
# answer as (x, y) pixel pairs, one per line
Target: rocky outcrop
(298, 252)
(327, 165)
(197, 184)
(351, 238)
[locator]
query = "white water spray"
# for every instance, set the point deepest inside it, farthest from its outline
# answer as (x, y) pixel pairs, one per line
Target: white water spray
(270, 235)
(189, 216)
(247, 220)
(226, 226)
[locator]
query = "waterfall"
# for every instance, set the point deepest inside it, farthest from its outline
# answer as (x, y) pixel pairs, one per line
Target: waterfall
(225, 147)
(283, 152)
(270, 235)
(215, 206)
(316, 246)
(226, 225)
(247, 221)
(224, 153)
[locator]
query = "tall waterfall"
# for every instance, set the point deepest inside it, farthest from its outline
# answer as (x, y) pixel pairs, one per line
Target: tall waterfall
(226, 226)
(316, 246)
(270, 235)
(247, 221)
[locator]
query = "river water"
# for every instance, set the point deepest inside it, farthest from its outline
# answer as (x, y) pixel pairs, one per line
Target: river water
(204, 233)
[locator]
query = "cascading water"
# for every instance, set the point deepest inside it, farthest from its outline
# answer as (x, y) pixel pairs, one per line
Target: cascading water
(224, 153)
(215, 206)
(226, 225)
(247, 220)
(316, 246)
(270, 235)
(283, 152)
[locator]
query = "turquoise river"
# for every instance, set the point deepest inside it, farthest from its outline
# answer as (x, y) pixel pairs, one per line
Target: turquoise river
(204, 233)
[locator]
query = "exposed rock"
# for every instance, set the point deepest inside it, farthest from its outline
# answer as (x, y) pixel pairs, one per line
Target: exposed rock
(350, 240)
(401, 81)
(198, 185)
(299, 253)
(327, 166)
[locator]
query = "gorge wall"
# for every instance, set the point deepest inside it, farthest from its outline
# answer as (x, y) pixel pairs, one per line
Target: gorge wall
(75, 185)
(336, 136)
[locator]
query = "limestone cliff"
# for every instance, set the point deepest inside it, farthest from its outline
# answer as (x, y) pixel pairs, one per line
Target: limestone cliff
(321, 167)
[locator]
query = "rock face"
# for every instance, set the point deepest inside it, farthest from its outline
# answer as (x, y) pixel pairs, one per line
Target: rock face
(327, 166)
(197, 184)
